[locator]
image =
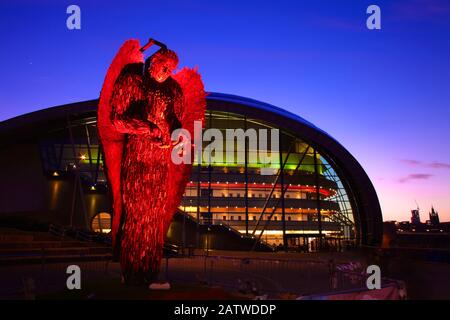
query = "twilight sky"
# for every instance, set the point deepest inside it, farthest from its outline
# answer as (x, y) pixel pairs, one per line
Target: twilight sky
(384, 94)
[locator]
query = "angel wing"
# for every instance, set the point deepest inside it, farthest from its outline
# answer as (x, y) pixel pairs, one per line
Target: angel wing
(112, 140)
(194, 98)
(193, 106)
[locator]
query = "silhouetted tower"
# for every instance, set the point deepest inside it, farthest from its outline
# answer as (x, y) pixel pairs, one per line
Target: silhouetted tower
(434, 217)
(415, 216)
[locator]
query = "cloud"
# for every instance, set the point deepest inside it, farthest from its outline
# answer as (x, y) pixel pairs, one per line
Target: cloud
(411, 162)
(439, 165)
(415, 176)
(432, 165)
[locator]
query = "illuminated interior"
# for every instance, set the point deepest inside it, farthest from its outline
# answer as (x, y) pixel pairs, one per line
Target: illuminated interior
(101, 222)
(236, 195)
(316, 204)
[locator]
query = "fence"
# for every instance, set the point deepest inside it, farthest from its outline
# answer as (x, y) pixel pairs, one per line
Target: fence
(32, 280)
(272, 278)
(275, 278)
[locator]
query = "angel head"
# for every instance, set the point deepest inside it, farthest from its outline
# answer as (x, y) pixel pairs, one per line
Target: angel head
(161, 64)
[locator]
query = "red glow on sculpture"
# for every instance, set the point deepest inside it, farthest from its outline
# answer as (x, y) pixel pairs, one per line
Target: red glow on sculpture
(140, 105)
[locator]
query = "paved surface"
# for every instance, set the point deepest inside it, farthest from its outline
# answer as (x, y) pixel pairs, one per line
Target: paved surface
(257, 273)
(275, 274)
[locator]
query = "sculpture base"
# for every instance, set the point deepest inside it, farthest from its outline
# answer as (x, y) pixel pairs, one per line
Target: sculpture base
(159, 286)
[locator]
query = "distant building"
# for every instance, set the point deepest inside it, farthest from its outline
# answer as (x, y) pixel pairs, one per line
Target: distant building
(415, 216)
(415, 234)
(434, 217)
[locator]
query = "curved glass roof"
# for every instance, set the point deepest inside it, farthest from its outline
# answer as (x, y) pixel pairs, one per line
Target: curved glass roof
(262, 105)
(61, 110)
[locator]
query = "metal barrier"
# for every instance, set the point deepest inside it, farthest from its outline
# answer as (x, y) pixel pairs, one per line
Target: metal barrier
(273, 277)
(39, 280)
(56, 230)
(84, 236)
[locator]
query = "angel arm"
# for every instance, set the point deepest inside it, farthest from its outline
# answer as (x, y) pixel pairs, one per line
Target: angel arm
(125, 123)
(127, 107)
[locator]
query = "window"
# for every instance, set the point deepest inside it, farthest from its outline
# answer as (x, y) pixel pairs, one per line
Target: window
(204, 192)
(224, 218)
(254, 218)
(239, 218)
(289, 218)
(232, 217)
(101, 222)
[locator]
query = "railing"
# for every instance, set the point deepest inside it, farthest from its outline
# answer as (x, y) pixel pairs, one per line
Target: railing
(273, 278)
(255, 277)
(242, 235)
(224, 224)
(84, 236)
(415, 253)
(48, 280)
(56, 230)
(81, 235)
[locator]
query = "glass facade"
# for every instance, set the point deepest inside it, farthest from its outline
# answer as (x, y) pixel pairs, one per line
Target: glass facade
(299, 199)
(302, 199)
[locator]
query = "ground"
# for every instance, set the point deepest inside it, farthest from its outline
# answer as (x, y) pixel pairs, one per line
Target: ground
(112, 289)
(34, 265)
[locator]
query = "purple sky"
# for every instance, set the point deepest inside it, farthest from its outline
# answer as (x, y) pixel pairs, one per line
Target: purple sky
(385, 95)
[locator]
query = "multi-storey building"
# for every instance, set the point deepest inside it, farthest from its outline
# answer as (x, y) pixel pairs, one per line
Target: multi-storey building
(313, 191)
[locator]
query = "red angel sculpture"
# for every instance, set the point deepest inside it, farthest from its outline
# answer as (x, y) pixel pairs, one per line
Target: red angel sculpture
(140, 105)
